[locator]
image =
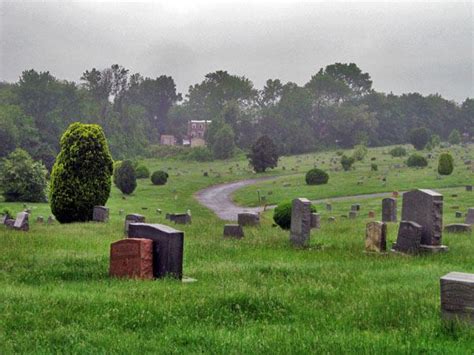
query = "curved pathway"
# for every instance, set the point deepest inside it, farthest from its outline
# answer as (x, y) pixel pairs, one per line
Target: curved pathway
(218, 198)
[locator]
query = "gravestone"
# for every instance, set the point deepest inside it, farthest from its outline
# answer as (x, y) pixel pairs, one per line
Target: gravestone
(3, 218)
(179, 218)
(100, 214)
(371, 214)
(376, 237)
(458, 214)
(233, 231)
(425, 207)
(468, 187)
(389, 210)
(9, 222)
(51, 220)
(168, 245)
(352, 214)
(300, 222)
(248, 219)
(470, 216)
(132, 257)
(457, 297)
(409, 237)
(21, 222)
(133, 218)
(395, 194)
(328, 207)
(458, 228)
(355, 207)
(315, 220)
(40, 219)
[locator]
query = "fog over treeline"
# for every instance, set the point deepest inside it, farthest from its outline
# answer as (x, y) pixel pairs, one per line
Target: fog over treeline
(336, 107)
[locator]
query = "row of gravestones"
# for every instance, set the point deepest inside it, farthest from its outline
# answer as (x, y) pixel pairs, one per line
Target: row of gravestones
(101, 214)
(21, 222)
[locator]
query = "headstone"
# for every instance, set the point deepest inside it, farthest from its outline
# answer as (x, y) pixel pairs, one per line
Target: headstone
(468, 187)
(371, 214)
(389, 210)
(100, 214)
(21, 222)
(352, 214)
(395, 194)
(409, 237)
(376, 237)
(180, 218)
(51, 219)
(233, 231)
(470, 216)
(133, 218)
(168, 246)
(458, 214)
(300, 222)
(248, 219)
(9, 222)
(132, 257)
(40, 219)
(328, 207)
(458, 228)
(3, 218)
(457, 296)
(425, 207)
(315, 220)
(355, 207)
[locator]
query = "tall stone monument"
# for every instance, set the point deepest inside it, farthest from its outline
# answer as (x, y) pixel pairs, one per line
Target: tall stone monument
(300, 222)
(389, 210)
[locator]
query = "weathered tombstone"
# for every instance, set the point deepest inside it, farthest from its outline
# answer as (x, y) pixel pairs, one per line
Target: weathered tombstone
(248, 219)
(133, 218)
(3, 218)
(458, 214)
(328, 207)
(376, 237)
(315, 220)
(21, 222)
(40, 219)
(100, 214)
(352, 214)
(457, 297)
(389, 210)
(409, 237)
(180, 218)
(233, 231)
(371, 214)
(9, 222)
(168, 245)
(425, 207)
(458, 228)
(51, 219)
(468, 187)
(355, 207)
(300, 222)
(132, 257)
(470, 216)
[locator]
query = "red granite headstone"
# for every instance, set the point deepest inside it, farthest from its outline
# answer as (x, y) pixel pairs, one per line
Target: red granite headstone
(132, 257)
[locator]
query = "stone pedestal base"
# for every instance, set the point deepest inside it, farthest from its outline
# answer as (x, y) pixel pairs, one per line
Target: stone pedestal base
(433, 248)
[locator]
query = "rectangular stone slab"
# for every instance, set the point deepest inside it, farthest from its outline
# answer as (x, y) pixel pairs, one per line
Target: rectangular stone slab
(409, 237)
(133, 218)
(300, 222)
(376, 237)
(168, 247)
(233, 231)
(21, 221)
(100, 214)
(457, 296)
(458, 228)
(132, 257)
(389, 210)
(248, 219)
(470, 216)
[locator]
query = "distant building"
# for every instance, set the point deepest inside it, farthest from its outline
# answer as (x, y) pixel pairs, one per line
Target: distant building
(167, 139)
(197, 129)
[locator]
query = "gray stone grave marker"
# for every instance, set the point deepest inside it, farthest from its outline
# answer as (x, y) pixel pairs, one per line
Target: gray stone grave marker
(233, 231)
(409, 237)
(470, 216)
(457, 297)
(389, 210)
(133, 218)
(315, 220)
(376, 237)
(458, 228)
(21, 222)
(248, 219)
(300, 222)
(100, 214)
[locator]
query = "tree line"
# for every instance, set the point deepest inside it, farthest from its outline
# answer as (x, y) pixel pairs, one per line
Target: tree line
(337, 107)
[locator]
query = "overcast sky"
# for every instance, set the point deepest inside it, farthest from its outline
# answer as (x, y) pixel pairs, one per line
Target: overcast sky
(425, 47)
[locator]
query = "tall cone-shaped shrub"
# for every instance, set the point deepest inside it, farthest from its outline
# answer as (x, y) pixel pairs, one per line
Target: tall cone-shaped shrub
(81, 174)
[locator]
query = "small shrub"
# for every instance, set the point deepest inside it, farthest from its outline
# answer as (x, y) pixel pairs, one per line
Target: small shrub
(159, 177)
(282, 214)
(316, 177)
(360, 151)
(126, 178)
(398, 152)
(116, 165)
(347, 162)
(142, 172)
(445, 164)
(417, 160)
(374, 167)
(199, 154)
(23, 179)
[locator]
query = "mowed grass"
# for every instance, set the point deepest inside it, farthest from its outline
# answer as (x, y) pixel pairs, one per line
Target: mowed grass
(255, 295)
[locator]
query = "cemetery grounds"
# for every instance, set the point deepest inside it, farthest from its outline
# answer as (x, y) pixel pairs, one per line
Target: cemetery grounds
(254, 295)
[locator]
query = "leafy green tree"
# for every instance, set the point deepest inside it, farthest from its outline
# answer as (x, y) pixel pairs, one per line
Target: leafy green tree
(22, 179)
(455, 137)
(159, 177)
(126, 180)
(419, 137)
(417, 160)
(445, 164)
(263, 155)
(360, 151)
(347, 162)
(398, 152)
(223, 146)
(81, 174)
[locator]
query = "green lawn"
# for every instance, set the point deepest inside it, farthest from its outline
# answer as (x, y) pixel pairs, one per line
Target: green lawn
(255, 295)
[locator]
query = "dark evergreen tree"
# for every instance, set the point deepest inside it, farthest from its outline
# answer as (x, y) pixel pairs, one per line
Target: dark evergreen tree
(263, 155)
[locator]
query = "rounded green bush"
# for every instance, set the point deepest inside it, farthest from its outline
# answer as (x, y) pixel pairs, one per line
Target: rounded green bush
(417, 160)
(126, 180)
(445, 164)
(159, 177)
(347, 162)
(81, 174)
(282, 214)
(316, 177)
(398, 152)
(142, 172)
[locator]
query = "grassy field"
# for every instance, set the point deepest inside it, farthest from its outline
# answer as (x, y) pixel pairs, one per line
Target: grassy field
(255, 295)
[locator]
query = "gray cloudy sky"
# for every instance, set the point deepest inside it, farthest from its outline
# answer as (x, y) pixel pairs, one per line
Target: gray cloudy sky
(424, 46)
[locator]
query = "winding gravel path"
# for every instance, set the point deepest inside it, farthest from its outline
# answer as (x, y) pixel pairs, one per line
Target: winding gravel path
(218, 198)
